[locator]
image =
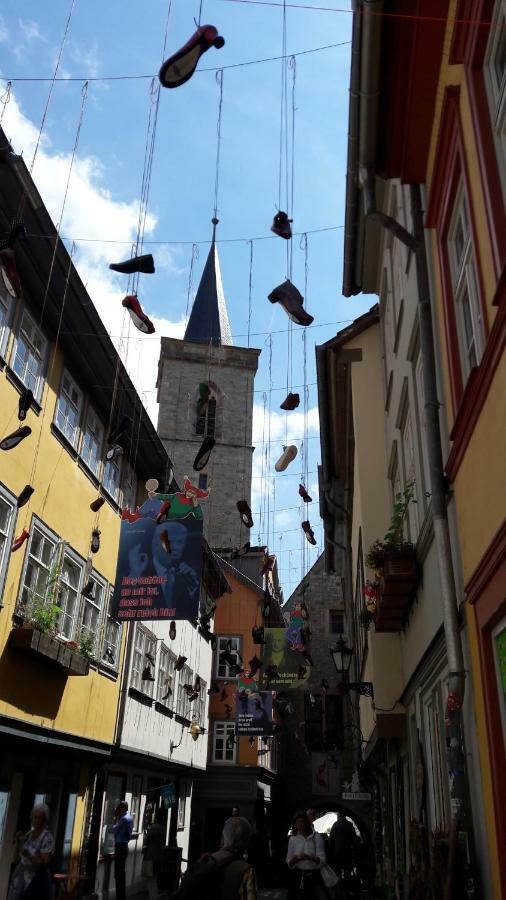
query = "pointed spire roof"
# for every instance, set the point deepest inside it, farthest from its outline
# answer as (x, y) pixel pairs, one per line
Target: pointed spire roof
(208, 322)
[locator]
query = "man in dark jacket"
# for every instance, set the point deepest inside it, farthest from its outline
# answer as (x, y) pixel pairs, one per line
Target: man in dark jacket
(342, 841)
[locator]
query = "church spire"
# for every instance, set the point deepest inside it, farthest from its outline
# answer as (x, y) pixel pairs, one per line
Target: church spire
(208, 322)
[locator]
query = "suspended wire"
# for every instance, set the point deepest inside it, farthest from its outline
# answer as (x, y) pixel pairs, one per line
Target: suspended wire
(200, 11)
(293, 66)
(146, 76)
(369, 12)
(194, 256)
(250, 289)
(219, 81)
(282, 109)
(5, 99)
(245, 240)
(269, 441)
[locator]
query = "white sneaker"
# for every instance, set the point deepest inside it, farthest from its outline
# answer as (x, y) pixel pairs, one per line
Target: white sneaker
(288, 455)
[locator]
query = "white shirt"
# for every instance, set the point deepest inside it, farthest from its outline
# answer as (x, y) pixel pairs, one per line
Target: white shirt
(313, 845)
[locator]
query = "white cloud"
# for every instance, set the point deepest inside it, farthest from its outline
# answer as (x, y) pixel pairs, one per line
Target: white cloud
(91, 211)
(31, 30)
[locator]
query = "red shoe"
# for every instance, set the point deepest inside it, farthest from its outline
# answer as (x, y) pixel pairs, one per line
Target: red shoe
(20, 540)
(138, 317)
(304, 494)
(179, 67)
(162, 515)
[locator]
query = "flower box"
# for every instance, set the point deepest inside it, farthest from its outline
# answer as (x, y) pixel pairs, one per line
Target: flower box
(48, 649)
(397, 586)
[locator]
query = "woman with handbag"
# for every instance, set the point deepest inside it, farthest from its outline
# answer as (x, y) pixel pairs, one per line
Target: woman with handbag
(31, 879)
(152, 853)
(306, 859)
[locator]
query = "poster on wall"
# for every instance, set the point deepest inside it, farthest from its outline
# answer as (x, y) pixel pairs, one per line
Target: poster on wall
(160, 558)
(326, 775)
(282, 655)
(253, 712)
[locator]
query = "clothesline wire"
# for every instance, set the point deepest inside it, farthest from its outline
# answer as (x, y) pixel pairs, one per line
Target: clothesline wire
(245, 240)
(98, 78)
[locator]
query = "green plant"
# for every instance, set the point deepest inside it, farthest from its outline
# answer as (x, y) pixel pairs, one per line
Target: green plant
(42, 615)
(365, 618)
(375, 556)
(86, 642)
(401, 503)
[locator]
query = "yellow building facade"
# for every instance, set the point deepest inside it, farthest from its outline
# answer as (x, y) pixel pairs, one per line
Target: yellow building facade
(61, 651)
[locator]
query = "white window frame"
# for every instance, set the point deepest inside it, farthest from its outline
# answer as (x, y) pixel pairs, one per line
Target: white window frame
(434, 752)
(31, 378)
(200, 711)
(112, 635)
(96, 606)
(73, 632)
(183, 705)
(465, 284)
(221, 731)
(223, 669)
(166, 676)
(93, 437)
(422, 428)
(128, 486)
(6, 307)
(496, 90)
(6, 534)
(37, 563)
(70, 400)
(144, 642)
(414, 510)
(184, 793)
(113, 465)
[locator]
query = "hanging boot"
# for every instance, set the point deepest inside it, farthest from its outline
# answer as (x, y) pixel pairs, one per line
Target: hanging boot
(172, 630)
(144, 264)
(257, 633)
(179, 67)
(292, 401)
(291, 300)
(202, 458)
(24, 496)
(180, 661)
(24, 403)
(137, 315)
(304, 494)
(147, 674)
(245, 511)
(308, 531)
(95, 540)
(96, 504)
(281, 225)
(19, 541)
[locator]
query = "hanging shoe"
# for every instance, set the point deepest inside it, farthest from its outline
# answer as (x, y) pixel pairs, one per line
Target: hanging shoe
(89, 589)
(137, 315)
(165, 541)
(267, 564)
(12, 440)
(150, 658)
(197, 685)
(204, 394)
(24, 496)
(304, 610)
(122, 432)
(235, 670)
(10, 274)
(308, 531)
(202, 458)
(287, 456)
(18, 232)
(172, 630)
(291, 300)
(180, 661)
(168, 692)
(214, 689)
(281, 225)
(143, 264)
(292, 401)
(114, 452)
(162, 515)
(251, 741)
(147, 674)
(214, 642)
(255, 665)
(304, 494)
(266, 608)
(24, 403)
(230, 742)
(257, 633)
(95, 540)
(96, 504)
(19, 541)
(192, 696)
(179, 67)
(245, 511)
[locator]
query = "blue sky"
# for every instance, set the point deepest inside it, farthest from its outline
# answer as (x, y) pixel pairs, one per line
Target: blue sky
(126, 39)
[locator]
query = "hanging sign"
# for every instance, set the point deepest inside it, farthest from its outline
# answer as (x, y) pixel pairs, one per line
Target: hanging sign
(160, 558)
(253, 712)
(168, 795)
(283, 657)
(325, 775)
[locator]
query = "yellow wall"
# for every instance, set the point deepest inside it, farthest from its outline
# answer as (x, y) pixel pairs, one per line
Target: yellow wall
(479, 483)
(30, 690)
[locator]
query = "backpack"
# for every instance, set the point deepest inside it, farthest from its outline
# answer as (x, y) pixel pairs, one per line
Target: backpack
(205, 879)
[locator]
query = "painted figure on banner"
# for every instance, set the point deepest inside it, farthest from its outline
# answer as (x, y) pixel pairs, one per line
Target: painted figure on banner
(290, 666)
(160, 557)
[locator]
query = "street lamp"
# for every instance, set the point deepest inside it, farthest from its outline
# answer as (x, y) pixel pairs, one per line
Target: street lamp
(341, 654)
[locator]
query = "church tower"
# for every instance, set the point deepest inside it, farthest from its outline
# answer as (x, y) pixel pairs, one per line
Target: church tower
(206, 355)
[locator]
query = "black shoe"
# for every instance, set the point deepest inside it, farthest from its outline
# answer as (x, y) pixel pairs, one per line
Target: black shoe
(291, 300)
(25, 495)
(25, 402)
(172, 630)
(308, 531)
(202, 458)
(147, 674)
(257, 634)
(12, 440)
(88, 590)
(179, 67)
(245, 511)
(281, 225)
(17, 232)
(143, 264)
(96, 504)
(95, 540)
(180, 661)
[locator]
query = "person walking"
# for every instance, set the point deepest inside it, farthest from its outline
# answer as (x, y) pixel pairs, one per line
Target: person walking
(152, 853)
(224, 874)
(31, 879)
(342, 846)
(122, 828)
(306, 856)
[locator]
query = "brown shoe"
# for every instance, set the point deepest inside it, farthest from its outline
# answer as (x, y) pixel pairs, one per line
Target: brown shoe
(292, 402)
